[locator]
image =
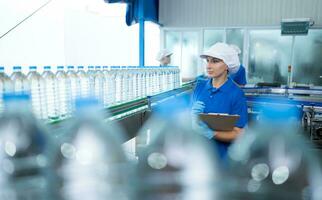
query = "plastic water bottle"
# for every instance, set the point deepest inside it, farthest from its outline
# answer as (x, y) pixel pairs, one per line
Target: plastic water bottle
(125, 84)
(158, 81)
(106, 84)
(38, 93)
(20, 82)
(177, 77)
(74, 86)
(51, 93)
(156, 86)
(91, 80)
(92, 163)
(163, 78)
(118, 77)
(83, 89)
(168, 70)
(274, 164)
(63, 92)
(148, 83)
(173, 80)
(164, 170)
(134, 82)
(99, 83)
(5, 85)
(142, 82)
(24, 145)
(129, 92)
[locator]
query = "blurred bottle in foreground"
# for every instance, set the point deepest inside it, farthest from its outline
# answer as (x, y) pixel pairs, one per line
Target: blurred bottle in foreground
(174, 161)
(24, 144)
(273, 161)
(90, 161)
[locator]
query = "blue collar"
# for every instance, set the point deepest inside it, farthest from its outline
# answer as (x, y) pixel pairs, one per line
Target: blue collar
(226, 87)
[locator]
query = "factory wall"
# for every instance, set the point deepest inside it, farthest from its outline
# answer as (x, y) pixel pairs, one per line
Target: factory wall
(214, 13)
(66, 32)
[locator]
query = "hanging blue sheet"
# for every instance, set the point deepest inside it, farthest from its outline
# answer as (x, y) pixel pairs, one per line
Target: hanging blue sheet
(150, 10)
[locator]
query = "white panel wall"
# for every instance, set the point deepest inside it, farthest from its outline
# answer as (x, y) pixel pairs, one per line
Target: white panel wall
(212, 13)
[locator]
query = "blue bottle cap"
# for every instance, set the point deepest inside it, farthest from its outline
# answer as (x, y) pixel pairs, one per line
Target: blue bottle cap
(47, 67)
(16, 67)
(16, 96)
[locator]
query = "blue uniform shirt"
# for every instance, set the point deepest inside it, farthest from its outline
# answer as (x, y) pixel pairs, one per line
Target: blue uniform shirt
(229, 98)
(240, 76)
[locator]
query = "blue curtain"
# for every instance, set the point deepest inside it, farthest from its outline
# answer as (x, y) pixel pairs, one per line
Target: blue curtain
(151, 11)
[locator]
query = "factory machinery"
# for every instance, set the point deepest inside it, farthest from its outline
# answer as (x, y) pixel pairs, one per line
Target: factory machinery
(307, 99)
(132, 115)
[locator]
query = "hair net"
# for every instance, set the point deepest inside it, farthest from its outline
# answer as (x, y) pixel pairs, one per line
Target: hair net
(236, 48)
(226, 53)
(163, 53)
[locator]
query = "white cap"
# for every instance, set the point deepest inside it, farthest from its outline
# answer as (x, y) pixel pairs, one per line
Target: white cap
(163, 53)
(236, 48)
(225, 53)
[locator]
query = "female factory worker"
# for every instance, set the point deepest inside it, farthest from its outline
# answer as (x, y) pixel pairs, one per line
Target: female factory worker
(219, 94)
(240, 76)
(164, 57)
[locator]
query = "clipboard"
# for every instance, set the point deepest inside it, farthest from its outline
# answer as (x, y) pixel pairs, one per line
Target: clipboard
(219, 121)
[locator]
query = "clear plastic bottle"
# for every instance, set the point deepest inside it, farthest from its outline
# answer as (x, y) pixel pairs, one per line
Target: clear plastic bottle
(129, 83)
(274, 164)
(20, 82)
(51, 93)
(164, 78)
(134, 82)
(125, 84)
(91, 80)
(92, 163)
(172, 77)
(156, 86)
(5, 85)
(74, 86)
(99, 83)
(148, 78)
(83, 89)
(142, 82)
(107, 86)
(117, 76)
(24, 146)
(177, 77)
(38, 93)
(174, 161)
(63, 93)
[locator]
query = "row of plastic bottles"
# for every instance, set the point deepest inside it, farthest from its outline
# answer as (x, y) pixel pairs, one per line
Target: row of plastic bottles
(53, 95)
(87, 161)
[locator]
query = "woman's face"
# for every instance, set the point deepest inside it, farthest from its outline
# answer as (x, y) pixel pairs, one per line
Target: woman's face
(216, 67)
(166, 60)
